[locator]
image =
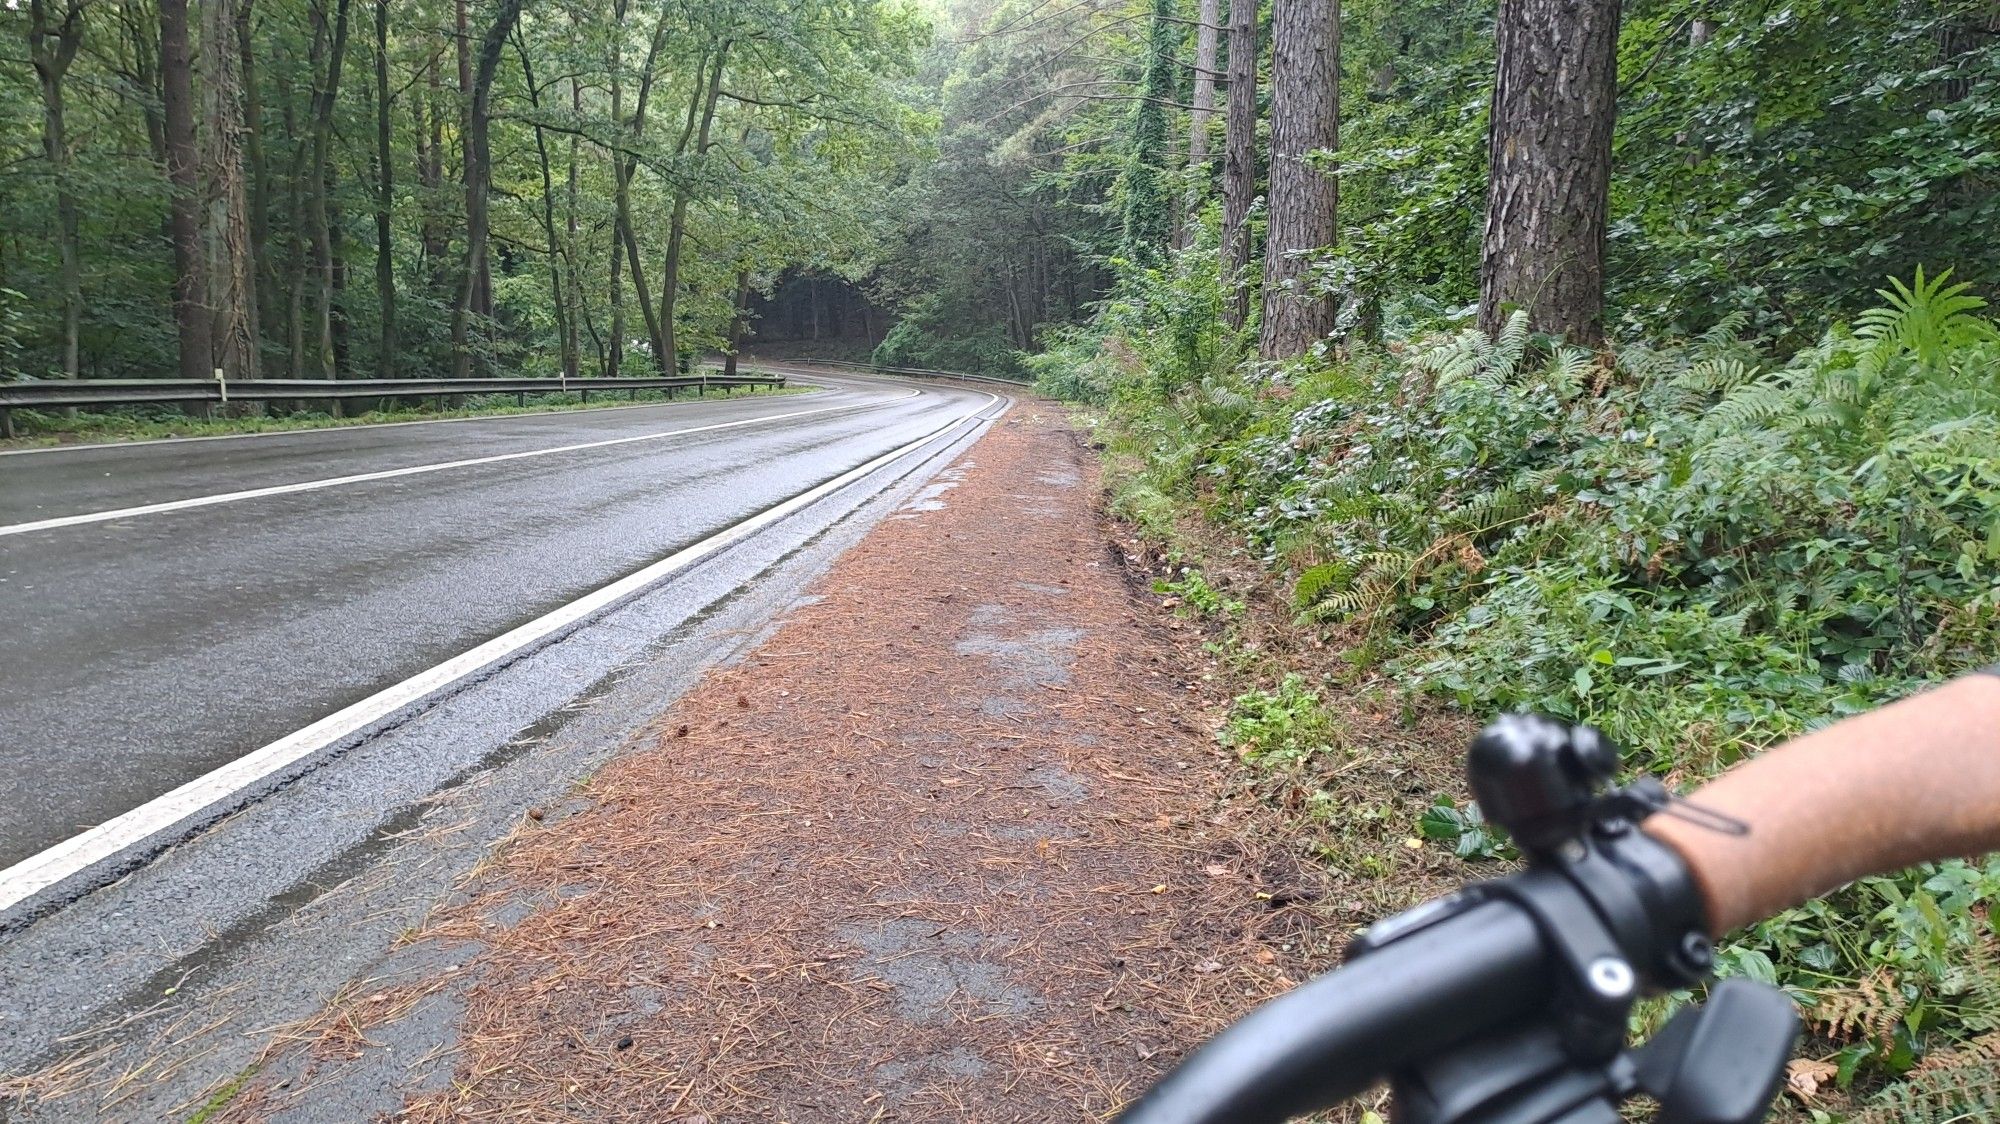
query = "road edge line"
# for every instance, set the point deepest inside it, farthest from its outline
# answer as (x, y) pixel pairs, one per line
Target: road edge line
(45, 871)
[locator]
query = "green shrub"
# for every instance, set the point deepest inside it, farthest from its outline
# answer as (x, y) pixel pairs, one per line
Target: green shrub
(1700, 547)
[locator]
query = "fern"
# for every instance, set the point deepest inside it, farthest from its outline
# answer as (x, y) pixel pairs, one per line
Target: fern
(1925, 318)
(1962, 1087)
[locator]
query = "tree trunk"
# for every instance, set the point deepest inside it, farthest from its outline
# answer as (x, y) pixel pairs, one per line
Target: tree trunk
(258, 181)
(1239, 164)
(571, 345)
(385, 201)
(324, 100)
(184, 208)
(1305, 202)
(232, 285)
(559, 299)
(428, 118)
(1206, 37)
(737, 320)
(1549, 166)
(670, 274)
(1148, 219)
(478, 174)
(52, 47)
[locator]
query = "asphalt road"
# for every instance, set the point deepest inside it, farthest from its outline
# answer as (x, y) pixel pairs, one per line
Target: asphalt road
(146, 649)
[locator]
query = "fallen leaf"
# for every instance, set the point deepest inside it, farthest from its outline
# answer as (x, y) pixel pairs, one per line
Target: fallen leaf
(1216, 870)
(1804, 1076)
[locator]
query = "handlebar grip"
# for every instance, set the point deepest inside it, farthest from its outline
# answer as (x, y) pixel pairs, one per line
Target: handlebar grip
(1912, 782)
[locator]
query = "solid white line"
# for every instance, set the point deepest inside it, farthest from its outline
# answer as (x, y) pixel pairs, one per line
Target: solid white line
(392, 473)
(138, 442)
(37, 872)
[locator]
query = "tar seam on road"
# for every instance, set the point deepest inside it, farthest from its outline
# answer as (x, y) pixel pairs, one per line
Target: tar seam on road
(79, 853)
(392, 473)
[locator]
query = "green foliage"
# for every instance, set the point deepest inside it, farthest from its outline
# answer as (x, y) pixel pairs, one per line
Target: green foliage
(1192, 590)
(920, 341)
(1701, 547)
(1470, 836)
(1279, 728)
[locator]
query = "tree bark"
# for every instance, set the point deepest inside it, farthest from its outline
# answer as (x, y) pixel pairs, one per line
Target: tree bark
(571, 345)
(478, 176)
(670, 273)
(385, 202)
(324, 99)
(232, 284)
(1239, 164)
(1206, 43)
(558, 296)
(1549, 166)
(1147, 224)
(257, 172)
(52, 45)
(1304, 202)
(191, 316)
(737, 320)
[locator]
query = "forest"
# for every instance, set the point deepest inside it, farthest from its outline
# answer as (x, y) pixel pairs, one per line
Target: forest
(1626, 361)
(409, 188)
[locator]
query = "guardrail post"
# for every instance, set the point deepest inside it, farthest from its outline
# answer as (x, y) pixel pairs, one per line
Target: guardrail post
(586, 395)
(521, 398)
(6, 422)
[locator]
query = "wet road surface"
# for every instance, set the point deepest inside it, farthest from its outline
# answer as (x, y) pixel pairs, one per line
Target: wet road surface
(145, 649)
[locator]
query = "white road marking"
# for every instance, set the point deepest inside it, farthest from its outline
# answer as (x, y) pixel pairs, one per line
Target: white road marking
(37, 872)
(392, 473)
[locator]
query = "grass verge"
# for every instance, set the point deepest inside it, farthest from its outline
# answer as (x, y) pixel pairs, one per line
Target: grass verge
(37, 429)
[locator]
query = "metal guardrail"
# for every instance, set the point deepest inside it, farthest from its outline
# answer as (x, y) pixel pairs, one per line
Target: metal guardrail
(60, 393)
(911, 372)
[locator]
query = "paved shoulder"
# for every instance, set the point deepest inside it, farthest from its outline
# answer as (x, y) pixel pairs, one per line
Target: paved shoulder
(936, 850)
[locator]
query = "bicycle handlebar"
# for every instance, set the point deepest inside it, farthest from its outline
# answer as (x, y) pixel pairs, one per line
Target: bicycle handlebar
(1915, 781)
(1334, 1036)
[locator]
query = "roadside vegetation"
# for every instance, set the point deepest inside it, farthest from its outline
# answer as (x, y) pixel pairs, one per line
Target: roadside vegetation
(36, 429)
(1724, 471)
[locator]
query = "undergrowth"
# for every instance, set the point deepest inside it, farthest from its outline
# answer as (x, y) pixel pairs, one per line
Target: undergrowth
(1701, 547)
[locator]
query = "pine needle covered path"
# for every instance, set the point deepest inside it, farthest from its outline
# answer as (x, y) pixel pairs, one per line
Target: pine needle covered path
(946, 846)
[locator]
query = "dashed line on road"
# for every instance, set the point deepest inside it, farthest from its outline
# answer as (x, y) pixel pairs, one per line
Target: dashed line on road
(392, 473)
(82, 852)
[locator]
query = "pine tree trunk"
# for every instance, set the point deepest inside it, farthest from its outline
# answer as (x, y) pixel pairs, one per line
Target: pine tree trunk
(1304, 202)
(52, 46)
(184, 208)
(1239, 164)
(478, 177)
(1549, 166)
(232, 284)
(1206, 43)
(385, 201)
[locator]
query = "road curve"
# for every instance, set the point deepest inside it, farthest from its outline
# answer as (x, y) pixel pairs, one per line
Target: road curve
(153, 643)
